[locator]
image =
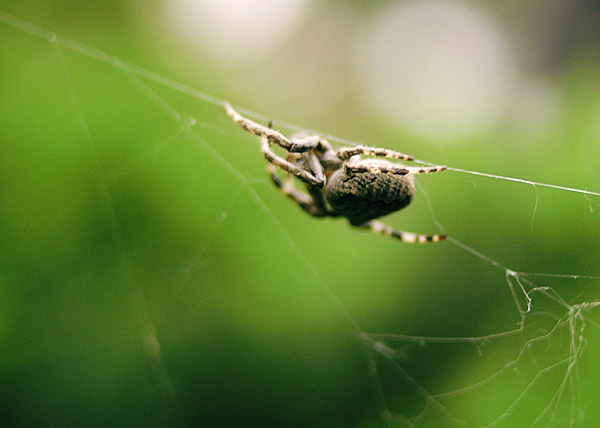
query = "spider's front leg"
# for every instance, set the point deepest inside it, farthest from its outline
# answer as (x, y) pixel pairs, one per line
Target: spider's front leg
(388, 168)
(408, 237)
(298, 145)
(346, 153)
(313, 179)
(306, 202)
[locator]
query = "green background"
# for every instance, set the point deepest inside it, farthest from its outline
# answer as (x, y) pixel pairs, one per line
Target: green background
(150, 274)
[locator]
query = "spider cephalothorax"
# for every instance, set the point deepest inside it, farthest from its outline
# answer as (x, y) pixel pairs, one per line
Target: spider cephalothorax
(340, 183)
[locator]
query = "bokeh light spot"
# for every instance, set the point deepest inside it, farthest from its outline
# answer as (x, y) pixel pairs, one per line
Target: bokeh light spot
(236, 30)
(440, 70)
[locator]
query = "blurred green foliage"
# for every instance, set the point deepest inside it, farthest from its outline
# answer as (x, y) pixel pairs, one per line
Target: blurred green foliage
(151, 276)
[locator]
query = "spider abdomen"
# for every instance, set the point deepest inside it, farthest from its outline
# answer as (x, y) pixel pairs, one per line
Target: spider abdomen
(364, 196)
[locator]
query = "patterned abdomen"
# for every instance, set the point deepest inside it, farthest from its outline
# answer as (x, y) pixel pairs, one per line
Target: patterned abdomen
(365, 196)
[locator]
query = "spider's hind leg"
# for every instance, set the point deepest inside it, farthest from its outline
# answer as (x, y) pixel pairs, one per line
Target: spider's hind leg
(411, 238)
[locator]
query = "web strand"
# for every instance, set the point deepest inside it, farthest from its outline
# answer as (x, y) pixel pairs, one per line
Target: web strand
(151, 345)
(132, 69)
(520, 180)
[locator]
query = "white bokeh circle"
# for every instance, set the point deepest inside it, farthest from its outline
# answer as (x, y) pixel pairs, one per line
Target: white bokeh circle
(235, 31)
(439, 70)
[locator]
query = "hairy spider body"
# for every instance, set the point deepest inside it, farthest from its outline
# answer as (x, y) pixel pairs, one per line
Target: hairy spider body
(362, 197)
(340, 183)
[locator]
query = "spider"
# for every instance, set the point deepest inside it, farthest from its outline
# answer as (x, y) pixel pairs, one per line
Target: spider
(340, 183)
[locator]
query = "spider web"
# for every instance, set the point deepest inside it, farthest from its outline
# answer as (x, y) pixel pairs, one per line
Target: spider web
(208, 297)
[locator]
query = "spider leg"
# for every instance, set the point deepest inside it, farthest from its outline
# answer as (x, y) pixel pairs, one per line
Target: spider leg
(302, 174)
(292, 145)
(390, 168)
(411, 238)
(306, 202)
(321, 142)
(314, 166)
(346, 153)
(312, 141)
